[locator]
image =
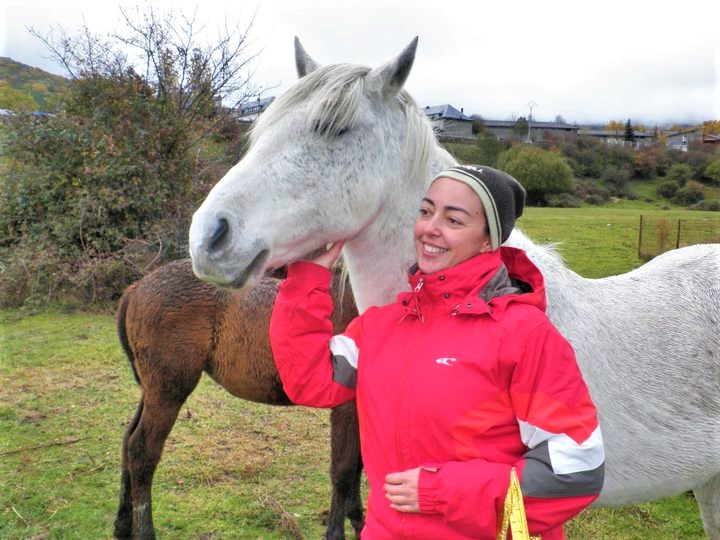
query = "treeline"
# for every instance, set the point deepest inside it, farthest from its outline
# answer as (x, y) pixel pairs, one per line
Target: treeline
(567, 172)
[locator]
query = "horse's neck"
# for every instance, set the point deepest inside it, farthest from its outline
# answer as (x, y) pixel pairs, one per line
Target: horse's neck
(379, 257)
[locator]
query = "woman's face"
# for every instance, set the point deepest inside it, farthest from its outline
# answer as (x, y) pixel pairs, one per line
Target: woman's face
(450, 227)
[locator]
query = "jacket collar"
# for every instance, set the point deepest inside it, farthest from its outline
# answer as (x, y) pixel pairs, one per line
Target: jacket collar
(484, 284)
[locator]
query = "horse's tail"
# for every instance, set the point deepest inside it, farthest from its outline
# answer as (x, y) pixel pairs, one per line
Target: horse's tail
(122, 330)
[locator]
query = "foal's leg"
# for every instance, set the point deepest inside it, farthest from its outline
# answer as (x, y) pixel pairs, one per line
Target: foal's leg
(708, 497)
(145, 447)
(123, 521)
(345, 470)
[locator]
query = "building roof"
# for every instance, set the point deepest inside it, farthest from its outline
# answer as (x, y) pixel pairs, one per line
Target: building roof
(676, 132)
(613, 133)
(445, 111)
(534, 124)
(255, 106)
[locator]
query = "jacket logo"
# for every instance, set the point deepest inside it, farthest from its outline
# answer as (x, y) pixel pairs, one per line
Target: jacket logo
(446, 361)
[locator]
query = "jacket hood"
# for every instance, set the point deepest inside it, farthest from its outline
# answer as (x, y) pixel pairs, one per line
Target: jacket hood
(484, 284)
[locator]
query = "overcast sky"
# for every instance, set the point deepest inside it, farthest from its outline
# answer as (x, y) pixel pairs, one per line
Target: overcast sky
(654, 61)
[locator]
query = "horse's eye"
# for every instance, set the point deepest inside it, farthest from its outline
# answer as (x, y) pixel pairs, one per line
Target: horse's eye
(326, 129)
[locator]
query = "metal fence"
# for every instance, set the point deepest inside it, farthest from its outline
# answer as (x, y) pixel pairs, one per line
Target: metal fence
(661, 234)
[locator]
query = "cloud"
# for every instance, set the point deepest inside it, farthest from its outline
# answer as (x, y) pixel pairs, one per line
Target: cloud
(652, 60)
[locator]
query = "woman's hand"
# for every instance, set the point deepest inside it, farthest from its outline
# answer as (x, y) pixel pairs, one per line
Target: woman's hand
(401, 489)
(327, 257)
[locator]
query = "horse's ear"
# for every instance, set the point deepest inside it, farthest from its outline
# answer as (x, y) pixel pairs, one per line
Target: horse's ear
(391, 77)
(303, 62)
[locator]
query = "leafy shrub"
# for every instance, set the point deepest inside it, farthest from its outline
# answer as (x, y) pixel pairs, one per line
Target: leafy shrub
(586, 156)
(712, 171)
(586, 189)
(118, 165)
(541, 172)
(39, 271)
(85, 182)
(667, 189)
(651, 161)
(697, 160)
(93, 178)
(620, 157)
(616, 179)
(644, 165)
(710, 206)
(692, 193)
(488, 149)
(484, 151)
(680, 173)
(564, 200)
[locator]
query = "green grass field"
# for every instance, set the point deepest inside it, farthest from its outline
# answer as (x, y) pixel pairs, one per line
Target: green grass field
(231, 469)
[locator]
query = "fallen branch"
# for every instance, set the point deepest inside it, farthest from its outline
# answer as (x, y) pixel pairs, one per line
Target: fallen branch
(88, 471)
(55, 443)
(18, 515)
(288, 522)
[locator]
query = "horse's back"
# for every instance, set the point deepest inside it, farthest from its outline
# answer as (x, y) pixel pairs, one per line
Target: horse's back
(650, 339)
(679, 289)
(695, 260)
(169, 320)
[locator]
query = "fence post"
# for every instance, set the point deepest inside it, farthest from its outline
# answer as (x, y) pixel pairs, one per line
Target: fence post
(677, 240)
(640, 238)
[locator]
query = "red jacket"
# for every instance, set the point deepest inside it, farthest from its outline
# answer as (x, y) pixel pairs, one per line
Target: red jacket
(465, 377)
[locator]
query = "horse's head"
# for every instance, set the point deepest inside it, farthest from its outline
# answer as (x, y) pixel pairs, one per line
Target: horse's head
(316, 170)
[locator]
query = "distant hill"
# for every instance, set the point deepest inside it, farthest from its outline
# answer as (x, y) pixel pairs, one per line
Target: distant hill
(35, 82)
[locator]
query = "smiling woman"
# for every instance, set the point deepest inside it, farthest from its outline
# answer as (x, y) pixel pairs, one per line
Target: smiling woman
(514, 405)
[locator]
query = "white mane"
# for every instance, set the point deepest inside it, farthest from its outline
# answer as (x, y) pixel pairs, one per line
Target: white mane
(335, 92)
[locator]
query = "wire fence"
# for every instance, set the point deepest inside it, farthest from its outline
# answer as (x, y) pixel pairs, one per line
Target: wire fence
(661, 234)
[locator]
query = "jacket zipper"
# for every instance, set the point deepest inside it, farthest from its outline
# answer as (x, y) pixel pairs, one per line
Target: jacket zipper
(400, 426)
(415, 297)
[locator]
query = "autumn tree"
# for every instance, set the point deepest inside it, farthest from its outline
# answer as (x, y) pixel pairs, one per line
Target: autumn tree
(711, 127)
(188, 79)
(118, 165)
(15, 100)
(614, 126)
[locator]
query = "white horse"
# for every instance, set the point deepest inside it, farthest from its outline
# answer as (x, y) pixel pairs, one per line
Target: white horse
(346, 153)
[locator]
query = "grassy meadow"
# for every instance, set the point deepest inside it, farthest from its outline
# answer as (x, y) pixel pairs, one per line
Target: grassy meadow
(231, 468)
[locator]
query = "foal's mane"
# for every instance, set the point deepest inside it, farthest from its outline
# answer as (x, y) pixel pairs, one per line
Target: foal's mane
(334, 92)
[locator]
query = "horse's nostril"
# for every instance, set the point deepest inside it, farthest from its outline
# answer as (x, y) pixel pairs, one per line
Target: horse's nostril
(219, 234)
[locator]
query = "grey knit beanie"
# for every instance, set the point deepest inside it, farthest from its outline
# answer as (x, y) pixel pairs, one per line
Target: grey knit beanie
(502, 197)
